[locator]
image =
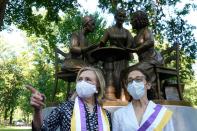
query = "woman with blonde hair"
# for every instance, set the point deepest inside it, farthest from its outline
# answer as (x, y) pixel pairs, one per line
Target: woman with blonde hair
(83, 113)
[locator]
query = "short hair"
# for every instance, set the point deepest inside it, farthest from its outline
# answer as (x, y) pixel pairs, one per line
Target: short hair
(100, 80)
(87, 19)
(124, 81)
(136, 68)
(139, 19)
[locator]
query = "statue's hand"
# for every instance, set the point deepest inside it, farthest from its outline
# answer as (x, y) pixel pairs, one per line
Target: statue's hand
(101, 44)
(89, 48)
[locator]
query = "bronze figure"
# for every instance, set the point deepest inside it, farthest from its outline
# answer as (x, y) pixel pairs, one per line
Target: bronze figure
(120, 37)
(80, 46)
(144, 47)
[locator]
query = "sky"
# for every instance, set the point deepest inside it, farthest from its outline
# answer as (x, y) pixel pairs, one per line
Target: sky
(16, 38)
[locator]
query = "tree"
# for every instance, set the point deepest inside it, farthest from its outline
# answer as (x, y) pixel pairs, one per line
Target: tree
(190, 92)
(2, 11)
(20, 12)
(10, 89)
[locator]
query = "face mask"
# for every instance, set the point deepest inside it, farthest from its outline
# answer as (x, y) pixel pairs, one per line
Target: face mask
(85, 89)
(136, 89)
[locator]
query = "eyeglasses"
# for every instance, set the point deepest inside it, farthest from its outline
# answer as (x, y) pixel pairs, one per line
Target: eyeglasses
(137, 79)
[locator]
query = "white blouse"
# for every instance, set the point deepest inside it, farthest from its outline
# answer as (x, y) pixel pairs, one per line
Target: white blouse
(124, 119)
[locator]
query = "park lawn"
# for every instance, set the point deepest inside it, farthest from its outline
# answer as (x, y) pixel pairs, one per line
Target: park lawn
(15, 128)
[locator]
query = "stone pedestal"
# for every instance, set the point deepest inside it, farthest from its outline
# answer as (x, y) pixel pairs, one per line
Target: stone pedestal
(184, 116)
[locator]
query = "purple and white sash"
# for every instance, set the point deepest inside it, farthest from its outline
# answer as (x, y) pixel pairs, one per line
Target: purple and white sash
(157, 120)
(78, 120)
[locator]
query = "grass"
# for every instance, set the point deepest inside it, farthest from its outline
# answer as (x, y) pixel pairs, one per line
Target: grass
(15, 128)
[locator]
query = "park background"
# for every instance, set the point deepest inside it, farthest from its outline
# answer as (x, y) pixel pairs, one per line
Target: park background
(32, 30)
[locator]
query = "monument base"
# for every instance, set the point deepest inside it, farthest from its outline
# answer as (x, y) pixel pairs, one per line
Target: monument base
(184, 115)
(110, 93)
(116, 102)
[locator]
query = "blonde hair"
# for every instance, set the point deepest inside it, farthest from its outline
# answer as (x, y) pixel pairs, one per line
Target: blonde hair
(100, 82)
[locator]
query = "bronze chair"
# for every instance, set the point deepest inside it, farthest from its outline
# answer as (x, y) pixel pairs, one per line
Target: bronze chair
(164, 73)
(66, 76)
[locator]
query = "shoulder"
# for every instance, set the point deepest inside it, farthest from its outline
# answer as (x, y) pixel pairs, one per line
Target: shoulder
(110, 29)
(123, 110)
(128, 32)
(153, 105)
(146, 30)
(67, 105)
(162, 107)
(76, 33)
(147, 33)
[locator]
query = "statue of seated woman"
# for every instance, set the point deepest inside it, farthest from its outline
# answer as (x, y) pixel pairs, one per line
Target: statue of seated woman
(80, 47)
(144, 47)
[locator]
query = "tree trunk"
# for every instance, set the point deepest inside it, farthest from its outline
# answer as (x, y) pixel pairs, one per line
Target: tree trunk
(2, 11)
(11, 116)
(5, 116)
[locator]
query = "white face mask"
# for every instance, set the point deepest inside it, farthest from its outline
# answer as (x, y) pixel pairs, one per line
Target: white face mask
(85, 89)
(136, 89)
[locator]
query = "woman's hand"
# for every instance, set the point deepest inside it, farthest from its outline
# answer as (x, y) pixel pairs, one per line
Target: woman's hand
(37, 99)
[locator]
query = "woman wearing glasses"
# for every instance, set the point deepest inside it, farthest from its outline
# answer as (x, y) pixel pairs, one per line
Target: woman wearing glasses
(141, 114)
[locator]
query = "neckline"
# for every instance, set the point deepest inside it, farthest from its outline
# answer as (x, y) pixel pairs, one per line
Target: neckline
(144, 114)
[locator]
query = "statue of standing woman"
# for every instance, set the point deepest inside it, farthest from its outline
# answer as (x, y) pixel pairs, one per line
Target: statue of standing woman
(144, 47)
(120, 37)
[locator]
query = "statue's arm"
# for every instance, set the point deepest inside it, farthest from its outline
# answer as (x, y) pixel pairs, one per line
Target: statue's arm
(130, 40)
(105, 38)
(75, 46)
(148, 39)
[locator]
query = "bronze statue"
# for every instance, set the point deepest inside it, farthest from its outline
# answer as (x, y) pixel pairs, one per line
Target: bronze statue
(80, 46)
(144, 46)
(118, 36)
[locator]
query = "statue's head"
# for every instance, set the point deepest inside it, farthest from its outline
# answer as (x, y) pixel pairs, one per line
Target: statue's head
(88, 23)
(120, 15)
(139, 19)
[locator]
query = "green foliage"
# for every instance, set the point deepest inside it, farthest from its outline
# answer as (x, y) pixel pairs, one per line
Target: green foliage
(20, 12)
(41, 70)
(190, 92)
(10, 86)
